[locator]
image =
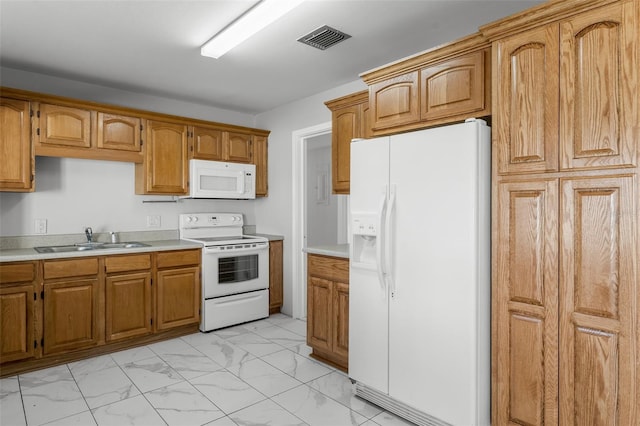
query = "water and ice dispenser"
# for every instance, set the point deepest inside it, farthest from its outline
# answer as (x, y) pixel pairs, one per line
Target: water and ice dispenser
(365, 231)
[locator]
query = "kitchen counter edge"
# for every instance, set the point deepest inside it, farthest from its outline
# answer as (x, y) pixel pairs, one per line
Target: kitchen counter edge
(23, 254)
(335, 250)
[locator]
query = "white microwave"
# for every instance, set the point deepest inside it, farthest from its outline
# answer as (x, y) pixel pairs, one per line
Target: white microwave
(218, 179)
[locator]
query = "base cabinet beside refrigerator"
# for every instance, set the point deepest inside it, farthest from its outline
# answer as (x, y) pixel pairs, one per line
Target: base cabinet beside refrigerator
(328, 309)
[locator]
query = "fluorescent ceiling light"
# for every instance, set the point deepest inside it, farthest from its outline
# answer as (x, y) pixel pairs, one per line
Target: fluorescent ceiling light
(258, 17)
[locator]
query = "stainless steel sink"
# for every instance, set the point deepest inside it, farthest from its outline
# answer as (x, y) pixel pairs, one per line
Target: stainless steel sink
(89, 246)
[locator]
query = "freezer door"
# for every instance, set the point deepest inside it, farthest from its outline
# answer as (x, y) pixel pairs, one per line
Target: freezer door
(368, 299)
(439, 310)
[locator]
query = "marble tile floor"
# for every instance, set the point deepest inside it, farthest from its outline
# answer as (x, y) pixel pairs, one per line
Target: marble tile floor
(257, 373)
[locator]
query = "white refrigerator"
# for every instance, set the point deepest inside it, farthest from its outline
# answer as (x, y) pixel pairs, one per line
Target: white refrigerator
(419, 279)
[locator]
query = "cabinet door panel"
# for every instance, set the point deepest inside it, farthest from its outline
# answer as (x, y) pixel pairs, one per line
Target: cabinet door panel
(525, 305)
(238, 147)
(526, 78)
(207, 144)
(260, 159)
(319, 313)
(597, 318)
(64, 126)
(118, 132)
(178, 297)
(275, 276)
(395, 101)
(16, 159)
(341, 320)
(599, 94)
(345, 125)
(166, 163)
(453, 87)
(16, 323)
(128, 305)
(70, 315)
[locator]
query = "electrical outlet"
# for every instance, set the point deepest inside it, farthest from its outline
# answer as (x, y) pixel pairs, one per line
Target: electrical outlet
(40, 226)
(153, 221)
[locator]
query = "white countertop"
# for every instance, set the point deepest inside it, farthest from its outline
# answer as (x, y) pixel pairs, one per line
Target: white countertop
(20, 254)
(335, 250)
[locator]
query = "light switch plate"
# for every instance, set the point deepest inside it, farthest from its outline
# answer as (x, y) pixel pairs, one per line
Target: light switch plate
(40, 226)
(153, 221)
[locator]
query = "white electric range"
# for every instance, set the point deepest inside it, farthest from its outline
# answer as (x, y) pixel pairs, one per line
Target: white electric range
(235, 269)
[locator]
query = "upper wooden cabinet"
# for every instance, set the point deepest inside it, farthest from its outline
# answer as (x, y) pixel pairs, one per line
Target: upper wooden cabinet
(443, 85)
(566, 95)
(238, 147)
(454, 87)
(395, 101)
(261, 161)
(599, 88)
(118, 132)
(207, 144)
(349, 120)
(16, 152)
(526, 99)
(165, 169)
(69, 131)
(63, 126)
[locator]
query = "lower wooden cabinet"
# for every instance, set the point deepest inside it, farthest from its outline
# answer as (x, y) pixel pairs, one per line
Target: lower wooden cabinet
(328, 309)
(178, 289)
(275, 276)
(128, 300)
(62, 310)
(70, 305)
(17, 306)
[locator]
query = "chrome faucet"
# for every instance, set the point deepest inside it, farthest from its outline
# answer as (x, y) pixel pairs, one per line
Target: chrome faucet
(89, 233)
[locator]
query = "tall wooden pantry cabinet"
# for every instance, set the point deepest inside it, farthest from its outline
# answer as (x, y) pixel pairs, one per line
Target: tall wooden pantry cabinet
(566, 130)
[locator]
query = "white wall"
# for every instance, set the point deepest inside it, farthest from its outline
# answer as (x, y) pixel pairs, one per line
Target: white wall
(274, 213)
(72, 194)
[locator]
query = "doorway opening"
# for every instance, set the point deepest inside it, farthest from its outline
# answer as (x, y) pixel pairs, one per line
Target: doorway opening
(319, 217)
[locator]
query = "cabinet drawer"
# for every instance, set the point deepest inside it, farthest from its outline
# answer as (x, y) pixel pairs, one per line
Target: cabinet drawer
(17, 272)
(332, 268)
(127, 263)
(70, 268)
(169, 259)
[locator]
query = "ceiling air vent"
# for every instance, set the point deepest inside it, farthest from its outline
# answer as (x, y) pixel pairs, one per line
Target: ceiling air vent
(323, 37)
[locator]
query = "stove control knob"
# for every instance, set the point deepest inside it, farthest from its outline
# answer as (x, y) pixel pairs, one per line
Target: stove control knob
(188, 218)
(195, 218)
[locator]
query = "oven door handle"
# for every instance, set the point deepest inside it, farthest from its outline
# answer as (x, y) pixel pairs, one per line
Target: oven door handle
(259, 247)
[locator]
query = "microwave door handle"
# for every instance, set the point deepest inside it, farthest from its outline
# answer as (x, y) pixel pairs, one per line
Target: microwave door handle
(241, 183)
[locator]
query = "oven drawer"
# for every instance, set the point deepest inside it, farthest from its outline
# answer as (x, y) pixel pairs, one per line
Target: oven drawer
(230, 310)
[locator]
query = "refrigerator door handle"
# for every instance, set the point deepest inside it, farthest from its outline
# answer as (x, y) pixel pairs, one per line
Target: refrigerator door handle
(382, 211)
(388, 240)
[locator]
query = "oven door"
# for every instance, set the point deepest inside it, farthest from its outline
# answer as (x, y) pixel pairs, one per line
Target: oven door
(234, 269)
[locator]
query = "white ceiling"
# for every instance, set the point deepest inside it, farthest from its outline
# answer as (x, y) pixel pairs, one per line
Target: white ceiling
(153, 47)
